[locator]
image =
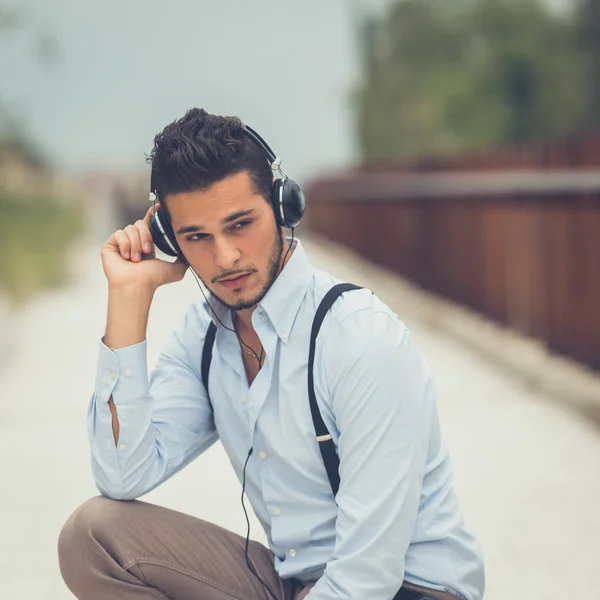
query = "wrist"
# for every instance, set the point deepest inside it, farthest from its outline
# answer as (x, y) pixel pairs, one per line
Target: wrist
(143, 292)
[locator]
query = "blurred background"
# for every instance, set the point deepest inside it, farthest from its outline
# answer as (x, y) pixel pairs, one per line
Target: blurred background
(450, 155)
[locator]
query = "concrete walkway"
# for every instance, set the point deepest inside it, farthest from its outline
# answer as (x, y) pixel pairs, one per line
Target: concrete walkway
(527, 470)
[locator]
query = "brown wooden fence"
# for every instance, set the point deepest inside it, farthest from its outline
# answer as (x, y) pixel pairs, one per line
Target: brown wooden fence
(516, 241)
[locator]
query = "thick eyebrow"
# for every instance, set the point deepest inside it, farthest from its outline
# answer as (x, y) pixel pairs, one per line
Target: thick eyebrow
(229, 219)
(237, 215)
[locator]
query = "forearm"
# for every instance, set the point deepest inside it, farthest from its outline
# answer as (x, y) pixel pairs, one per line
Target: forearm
(129, 466)
(127, 316)
(126, 325)
(122, 388)
(115, 419)
(160, 432)
(164, 420)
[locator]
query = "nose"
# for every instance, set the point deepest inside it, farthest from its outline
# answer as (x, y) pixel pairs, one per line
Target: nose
(226, 253)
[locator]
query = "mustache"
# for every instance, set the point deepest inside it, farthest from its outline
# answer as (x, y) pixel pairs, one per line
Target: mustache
(232, 274)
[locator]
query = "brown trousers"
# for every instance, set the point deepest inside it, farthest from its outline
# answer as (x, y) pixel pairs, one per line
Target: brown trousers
(112, 550)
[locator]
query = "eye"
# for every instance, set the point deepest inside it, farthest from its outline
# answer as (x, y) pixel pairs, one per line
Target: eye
(242, 224)
(195, 237)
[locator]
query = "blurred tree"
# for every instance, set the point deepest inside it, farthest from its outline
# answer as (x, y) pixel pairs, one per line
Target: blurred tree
(587, 27)
(467, 74)
(37, 228)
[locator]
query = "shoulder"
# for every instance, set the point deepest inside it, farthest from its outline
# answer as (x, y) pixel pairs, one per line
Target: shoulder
(365, 351)
(361, 333)
(356, 315)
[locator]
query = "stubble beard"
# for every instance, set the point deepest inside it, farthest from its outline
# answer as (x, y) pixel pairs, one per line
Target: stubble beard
(272, 274)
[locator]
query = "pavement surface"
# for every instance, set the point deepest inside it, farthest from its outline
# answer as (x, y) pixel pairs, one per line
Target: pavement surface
(527, 468)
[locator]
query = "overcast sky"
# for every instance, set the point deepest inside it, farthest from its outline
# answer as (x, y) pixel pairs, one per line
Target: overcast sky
(129, 67)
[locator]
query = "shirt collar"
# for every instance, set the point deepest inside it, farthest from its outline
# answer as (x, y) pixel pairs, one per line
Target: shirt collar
(282, 302)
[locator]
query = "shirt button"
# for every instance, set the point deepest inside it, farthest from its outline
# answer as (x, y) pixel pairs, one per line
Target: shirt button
(243, 398)
(123, 447)
(112, 375)
(292, 553)
(263, 454)
(276, 510)
(127, 372)
(283, 335)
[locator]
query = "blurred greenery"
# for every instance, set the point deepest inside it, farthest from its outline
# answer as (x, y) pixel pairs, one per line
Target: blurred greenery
(449, 77)
(36, 233)
(36, 228)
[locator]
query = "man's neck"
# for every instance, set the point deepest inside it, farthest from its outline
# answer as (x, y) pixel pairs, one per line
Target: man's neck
(242, 319)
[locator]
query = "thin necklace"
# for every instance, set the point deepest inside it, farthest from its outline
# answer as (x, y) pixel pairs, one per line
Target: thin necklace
(252, 353)
(249, 350)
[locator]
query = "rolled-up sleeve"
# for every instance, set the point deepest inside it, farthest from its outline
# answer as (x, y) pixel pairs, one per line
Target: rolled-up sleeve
(165, 421)
(380, 389)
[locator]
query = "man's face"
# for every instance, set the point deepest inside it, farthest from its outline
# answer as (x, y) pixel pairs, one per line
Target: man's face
(229, 236)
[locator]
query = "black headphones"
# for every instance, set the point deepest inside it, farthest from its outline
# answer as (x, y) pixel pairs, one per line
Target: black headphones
(286, 197)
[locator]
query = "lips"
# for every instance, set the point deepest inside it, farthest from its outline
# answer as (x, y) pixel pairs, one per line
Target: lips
(235, 282)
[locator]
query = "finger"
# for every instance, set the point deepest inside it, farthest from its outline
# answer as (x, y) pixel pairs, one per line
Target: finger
(123, 244)
(136, 243)
(149, 214)
(145, 236)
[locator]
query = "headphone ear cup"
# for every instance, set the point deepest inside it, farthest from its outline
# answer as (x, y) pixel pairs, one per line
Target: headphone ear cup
(275, 201)
(162, 235)
(290, 202)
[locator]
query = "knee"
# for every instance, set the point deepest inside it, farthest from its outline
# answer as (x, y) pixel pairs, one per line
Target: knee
(82, 536)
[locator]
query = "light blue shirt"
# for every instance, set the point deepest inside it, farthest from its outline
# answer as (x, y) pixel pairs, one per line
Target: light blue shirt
(397, 516)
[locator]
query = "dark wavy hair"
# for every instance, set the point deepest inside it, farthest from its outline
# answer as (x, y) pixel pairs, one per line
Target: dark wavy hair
(200, 149)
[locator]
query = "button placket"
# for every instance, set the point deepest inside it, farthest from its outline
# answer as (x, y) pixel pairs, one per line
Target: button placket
(269, 492)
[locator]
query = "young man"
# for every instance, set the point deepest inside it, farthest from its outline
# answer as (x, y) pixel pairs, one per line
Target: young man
(394, 527)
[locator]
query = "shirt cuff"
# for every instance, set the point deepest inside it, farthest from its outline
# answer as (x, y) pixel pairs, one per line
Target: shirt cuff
(122, 373)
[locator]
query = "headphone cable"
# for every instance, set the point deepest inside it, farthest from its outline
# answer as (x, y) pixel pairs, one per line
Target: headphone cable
(262, 352)
(259, 359)
(248, 563)
(239, 337)
(288, 251)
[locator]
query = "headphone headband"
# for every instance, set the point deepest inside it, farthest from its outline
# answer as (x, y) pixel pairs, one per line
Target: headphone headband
(261, 142)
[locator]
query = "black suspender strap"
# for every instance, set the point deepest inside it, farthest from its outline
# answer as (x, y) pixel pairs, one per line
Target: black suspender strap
(209, 342)
(326, 445)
